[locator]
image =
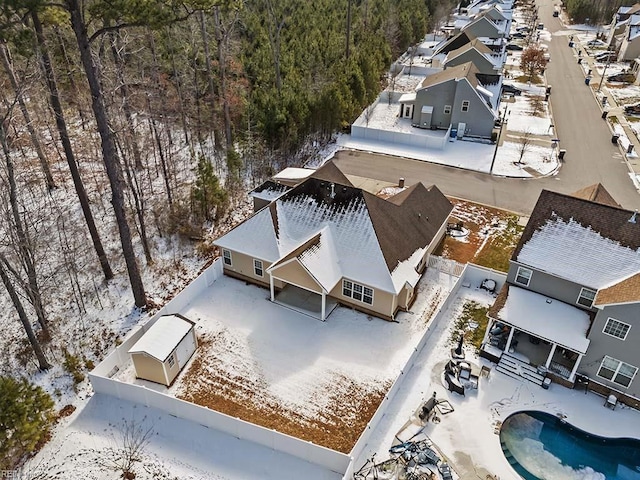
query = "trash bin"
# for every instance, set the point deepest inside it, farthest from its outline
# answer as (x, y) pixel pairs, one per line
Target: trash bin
(630, 149)
(614, 138)
(546, 383)
(579, 60)
(587, 80)
(549, 89)
(561, 154)
(604, 114)
(570, 44)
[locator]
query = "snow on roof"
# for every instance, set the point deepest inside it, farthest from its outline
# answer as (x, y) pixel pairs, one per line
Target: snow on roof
(162, 337)
(579, 254)
(322, 261)
(292, 173)
(269, 191)
(484, 91)
(406, 271)
(356, 244)
(407, 98)
(244, 238)
(549, 319)
(634, 32)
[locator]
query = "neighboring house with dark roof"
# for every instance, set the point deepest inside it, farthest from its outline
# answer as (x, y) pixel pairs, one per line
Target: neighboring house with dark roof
(573, 289)
(483, 27)
(455, 97)
(327, 242)
(479, 54)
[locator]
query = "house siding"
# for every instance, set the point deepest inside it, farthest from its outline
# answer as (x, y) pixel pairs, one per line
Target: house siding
(384, 303)
(629, 49)
(482, 29)
(481, 62)
(479, 119)
(295, 274)
(437, 96)
(549, 285)
(623, 350)
(242, 267)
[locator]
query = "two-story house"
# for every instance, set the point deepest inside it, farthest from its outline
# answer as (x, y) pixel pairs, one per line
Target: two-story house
(571, 303)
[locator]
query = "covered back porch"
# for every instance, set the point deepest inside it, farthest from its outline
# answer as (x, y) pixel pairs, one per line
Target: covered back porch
(538, 330)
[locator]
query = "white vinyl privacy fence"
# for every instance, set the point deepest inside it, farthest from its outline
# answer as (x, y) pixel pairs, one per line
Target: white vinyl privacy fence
(102, 381)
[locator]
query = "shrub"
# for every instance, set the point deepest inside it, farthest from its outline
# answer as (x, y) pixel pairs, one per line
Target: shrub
(26, 414)
(74, 365)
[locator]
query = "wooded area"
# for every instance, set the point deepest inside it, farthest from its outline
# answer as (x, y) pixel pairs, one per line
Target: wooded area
(129, 129)
(594, 12)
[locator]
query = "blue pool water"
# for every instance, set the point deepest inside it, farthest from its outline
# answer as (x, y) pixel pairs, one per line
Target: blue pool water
(541, 446)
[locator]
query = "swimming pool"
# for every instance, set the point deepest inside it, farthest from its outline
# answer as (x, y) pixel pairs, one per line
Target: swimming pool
(540, 446)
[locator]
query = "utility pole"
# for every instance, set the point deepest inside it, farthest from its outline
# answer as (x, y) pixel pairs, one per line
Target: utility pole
(604, 72)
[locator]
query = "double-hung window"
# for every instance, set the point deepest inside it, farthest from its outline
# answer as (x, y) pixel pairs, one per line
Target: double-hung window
(257, 268)
(617, 371)
(465, 106)
(358, 292)
(586, 297)
(226, 257)
(523, 276)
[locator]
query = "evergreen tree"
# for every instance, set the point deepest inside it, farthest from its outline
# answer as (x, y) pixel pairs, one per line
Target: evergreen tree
(26, 414)
(207, 194)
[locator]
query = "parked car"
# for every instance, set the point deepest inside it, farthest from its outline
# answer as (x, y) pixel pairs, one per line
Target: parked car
(513, 46)
(596, 43)
(519, 35)
(605, 56)
(510, 89)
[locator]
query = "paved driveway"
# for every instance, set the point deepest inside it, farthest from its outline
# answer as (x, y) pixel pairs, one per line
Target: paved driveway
(590, 158)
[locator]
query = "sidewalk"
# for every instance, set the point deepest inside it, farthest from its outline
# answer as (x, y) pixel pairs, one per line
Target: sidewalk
(607, 102)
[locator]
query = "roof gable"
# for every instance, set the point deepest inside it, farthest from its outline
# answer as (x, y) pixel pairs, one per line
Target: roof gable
(407, 221)
(453, 43)
(596, 193)
(466, 70)
(583, 241)
(626, 291)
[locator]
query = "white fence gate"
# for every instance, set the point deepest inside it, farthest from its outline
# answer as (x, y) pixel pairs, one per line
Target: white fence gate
(446, 265)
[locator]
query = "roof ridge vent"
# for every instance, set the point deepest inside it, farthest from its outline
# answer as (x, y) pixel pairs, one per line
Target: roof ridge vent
(633, 217)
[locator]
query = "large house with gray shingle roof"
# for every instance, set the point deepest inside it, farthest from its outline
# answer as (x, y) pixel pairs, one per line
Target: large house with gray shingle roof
(571, 302)
(326, 241)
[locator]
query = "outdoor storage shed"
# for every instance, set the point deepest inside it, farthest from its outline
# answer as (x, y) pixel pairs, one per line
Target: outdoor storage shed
(164, 349)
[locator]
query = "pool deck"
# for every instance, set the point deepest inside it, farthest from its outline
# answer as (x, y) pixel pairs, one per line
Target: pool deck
(468, 437)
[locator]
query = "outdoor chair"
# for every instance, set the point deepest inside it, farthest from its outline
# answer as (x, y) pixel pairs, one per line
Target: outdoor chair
(611, 402)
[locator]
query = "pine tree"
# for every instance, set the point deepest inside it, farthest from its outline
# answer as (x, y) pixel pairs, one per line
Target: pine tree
(207, 194)
(26, 414)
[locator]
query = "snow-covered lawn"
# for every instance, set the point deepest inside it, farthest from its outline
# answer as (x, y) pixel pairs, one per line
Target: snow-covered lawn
(536, 158)
(273, 366)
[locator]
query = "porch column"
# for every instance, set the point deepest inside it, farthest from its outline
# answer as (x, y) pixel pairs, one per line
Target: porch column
(508, 345)
(486, 332)
(272, 288)
(575, 367)
(553, 350)
(324, 305)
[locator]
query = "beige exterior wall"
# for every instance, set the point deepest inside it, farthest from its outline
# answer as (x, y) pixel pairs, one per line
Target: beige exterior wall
(383, 302)
(405, 297)
(629, 49)
(242, 265)
(295, 273)
(148, 368)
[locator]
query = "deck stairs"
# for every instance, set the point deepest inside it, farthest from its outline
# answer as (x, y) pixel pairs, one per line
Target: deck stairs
(516, 368)
(507, 454)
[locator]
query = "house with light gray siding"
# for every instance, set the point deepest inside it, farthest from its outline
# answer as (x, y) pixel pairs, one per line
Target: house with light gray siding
(571, 302)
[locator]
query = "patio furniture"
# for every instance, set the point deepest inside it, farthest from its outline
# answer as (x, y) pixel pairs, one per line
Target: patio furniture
(453, 384)
(582, 382)
(611, 402)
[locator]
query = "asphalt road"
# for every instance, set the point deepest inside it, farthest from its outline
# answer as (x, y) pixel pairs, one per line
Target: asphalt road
(591, 157)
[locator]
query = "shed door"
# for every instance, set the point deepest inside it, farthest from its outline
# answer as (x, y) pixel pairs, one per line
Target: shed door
(185, 349)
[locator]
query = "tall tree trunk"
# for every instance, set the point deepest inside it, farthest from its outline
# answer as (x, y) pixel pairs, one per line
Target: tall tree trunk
(25, 246)
(126, 106)
(44, 164)
(222, 69)
(15, 299)
(61, 125)
(72, 82)
(212, 88)
(183, 117)
(109, 151)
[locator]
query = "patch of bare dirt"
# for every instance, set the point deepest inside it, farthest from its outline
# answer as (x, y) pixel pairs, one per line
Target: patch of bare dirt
(350, 407)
